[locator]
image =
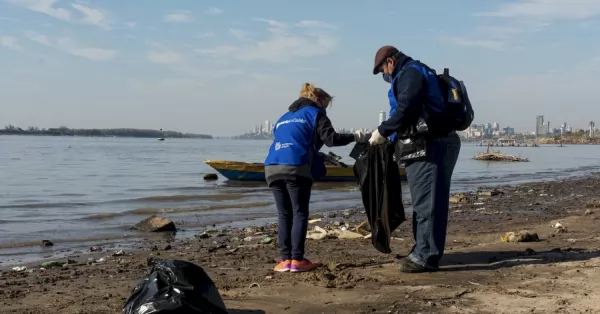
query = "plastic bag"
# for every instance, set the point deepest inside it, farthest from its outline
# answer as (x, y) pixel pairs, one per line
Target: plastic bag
(378, 177)
(175, 286)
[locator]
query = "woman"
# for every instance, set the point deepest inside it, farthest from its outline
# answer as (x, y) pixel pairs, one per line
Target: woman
(291, 165)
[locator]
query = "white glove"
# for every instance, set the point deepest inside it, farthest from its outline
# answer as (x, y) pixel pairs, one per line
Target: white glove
(361, 137)
(376, 138)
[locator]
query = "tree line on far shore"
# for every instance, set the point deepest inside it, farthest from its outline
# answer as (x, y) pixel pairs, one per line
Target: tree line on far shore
(125, 132)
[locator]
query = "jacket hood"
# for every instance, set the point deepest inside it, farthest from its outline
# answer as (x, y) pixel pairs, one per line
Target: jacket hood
(303, 102)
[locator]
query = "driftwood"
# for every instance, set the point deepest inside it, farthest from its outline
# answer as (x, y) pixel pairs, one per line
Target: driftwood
(491, 155)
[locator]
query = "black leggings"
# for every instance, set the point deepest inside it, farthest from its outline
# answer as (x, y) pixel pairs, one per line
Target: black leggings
(292, 198)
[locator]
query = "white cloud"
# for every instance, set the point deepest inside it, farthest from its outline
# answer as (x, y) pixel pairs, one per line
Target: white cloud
(9, 42)
(67, 45)
(274, 26)
(239, 34)
(487, 44)
(45, 7)
(164, 57)
(179, 17)
(315, 24)
(547, 9)
(280, 46)
(131, 24)
(93, 16)
(213, 11)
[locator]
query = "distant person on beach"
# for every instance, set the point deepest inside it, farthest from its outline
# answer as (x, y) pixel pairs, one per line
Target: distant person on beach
(292, 164)
(428, 145)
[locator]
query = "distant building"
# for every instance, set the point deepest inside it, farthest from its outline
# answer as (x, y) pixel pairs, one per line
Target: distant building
(267, 127)
(539, 126)
(508, 131)
(382, 116)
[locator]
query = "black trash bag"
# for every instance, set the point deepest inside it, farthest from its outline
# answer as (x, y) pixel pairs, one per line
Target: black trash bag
(379, 180)
(175, 287)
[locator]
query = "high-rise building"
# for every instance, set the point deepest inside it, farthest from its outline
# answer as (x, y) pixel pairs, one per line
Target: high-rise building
(592, 129)
(267, 127)
(382, 116)
(539, 126)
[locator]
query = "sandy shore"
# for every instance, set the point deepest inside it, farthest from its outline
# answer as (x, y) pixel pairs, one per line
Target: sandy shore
(480, 274)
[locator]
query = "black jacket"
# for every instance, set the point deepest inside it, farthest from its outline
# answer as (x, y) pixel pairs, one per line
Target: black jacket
(411, 94)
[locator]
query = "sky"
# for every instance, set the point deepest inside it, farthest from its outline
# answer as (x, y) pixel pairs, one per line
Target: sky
(221, 67)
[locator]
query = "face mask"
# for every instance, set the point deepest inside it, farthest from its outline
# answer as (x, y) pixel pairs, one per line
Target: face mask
(387, 77)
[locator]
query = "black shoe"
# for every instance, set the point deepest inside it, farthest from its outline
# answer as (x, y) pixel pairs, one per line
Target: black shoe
(408, 266)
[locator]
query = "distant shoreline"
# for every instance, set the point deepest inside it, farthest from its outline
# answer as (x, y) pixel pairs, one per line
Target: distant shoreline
(122, 132)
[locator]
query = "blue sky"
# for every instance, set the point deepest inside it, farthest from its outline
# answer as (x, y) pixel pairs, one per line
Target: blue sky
(222, 67)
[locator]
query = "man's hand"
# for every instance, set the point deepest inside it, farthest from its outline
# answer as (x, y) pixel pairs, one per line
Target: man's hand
(376, 138)
(361, 137)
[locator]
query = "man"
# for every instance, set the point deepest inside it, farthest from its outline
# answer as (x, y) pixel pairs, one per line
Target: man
(427, 144)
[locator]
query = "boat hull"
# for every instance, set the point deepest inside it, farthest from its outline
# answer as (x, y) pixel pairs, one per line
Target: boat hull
(243, 171)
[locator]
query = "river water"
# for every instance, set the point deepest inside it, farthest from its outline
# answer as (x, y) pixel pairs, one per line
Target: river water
(76, 191)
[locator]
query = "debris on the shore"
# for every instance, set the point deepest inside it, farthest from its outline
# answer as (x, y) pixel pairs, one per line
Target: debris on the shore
(588, 212)
(521, 236)
(155, 224)
(51, 264)
(312, 221)
(593, 204)
(364, 228)
(344, 234)
(119, 253)
(559, 227)
(492, 192)
(47, 243)
(211, 177)
(95, 249)
(266, 240)
(499, 157)
(462, 198)
(19, 269)
(317, 234)
(491, 155)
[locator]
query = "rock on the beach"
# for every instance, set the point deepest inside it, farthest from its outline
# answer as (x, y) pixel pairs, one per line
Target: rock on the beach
(155, 224)
(211, 176)
(522, 236)
(589, 212)
(47, 243)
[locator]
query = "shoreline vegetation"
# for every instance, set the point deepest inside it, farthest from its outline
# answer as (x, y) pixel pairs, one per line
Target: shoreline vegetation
(117, 132)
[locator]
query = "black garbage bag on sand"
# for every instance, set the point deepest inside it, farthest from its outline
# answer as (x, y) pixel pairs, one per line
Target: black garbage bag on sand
(379, 180)
(175, 287)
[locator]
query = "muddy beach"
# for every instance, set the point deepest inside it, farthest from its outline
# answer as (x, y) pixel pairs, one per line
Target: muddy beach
(560, 273)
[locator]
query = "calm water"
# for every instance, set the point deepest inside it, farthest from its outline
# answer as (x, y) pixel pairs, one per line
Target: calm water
(80, 190)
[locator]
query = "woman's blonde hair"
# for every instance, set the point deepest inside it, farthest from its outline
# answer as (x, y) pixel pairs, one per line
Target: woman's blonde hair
(316, 94)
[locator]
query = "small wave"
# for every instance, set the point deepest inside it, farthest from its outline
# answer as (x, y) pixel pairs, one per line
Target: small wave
(154, 211)
(103, 216)
(157, 199)
(185, 198)
(47, 205)
(70, 194)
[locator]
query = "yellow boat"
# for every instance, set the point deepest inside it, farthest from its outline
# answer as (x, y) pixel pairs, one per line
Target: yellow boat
(244, 171)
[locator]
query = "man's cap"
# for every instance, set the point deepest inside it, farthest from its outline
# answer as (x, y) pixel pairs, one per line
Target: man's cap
(382, 54)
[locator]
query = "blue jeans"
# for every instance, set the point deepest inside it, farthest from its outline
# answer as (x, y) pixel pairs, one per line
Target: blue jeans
(429, 180)
(292, 198)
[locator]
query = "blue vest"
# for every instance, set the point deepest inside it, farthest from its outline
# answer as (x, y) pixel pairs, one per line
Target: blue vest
(293, 139)
(434, 92)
